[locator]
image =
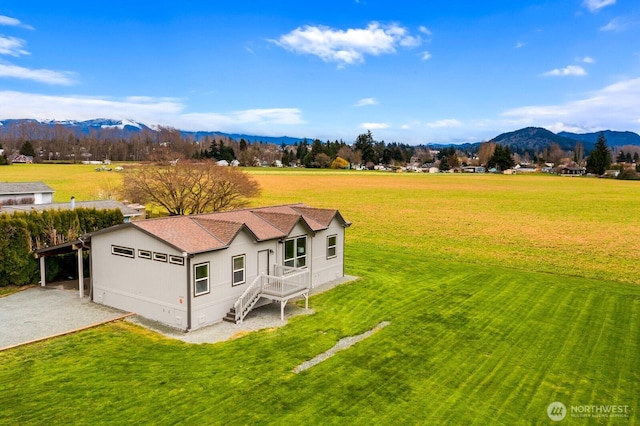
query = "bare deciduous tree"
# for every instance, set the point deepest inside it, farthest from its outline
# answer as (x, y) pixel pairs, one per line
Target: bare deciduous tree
(190, 188)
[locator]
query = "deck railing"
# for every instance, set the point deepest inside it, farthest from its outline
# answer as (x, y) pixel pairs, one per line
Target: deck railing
(283, 284)
(287, 280)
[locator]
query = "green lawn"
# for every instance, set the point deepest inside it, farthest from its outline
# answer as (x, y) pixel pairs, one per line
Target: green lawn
(501, 294)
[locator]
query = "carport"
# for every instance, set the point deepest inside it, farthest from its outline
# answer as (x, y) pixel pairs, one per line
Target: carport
(82, 243)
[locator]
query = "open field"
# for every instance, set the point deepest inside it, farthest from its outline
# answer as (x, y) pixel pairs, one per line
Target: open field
(503, 293)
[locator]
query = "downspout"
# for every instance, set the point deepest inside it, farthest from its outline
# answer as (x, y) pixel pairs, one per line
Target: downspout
(188, 292)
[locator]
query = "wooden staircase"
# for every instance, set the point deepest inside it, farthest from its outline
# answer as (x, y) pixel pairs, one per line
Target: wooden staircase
(280, 288)
(231, 316)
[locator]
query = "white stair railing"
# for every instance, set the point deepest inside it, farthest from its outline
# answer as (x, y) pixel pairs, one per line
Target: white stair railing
(249, 298)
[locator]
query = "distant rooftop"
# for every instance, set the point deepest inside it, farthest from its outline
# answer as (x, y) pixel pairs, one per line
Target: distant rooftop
(24, 188)
(127, 212)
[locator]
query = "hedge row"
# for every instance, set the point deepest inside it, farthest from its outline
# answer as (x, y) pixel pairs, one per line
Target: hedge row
(22, 233)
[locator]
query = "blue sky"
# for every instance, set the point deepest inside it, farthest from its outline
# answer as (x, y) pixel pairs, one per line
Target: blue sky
(409, 71)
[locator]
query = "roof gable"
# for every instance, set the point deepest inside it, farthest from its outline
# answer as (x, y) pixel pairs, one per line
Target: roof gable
(223, 230)
(181, 232)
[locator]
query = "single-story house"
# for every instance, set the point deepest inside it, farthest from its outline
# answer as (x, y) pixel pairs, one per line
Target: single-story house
(474, 169)
(192, 271)
(572, 171)
(25, 193)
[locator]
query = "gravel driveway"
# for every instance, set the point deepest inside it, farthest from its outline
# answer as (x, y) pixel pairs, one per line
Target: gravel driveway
(38, 312)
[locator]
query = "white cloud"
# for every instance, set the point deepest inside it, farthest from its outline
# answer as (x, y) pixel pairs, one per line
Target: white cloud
(13, 22)
(568, 70)
(347, 46)
(374, 126)
(621, 23)
(424, 30)
(42, 75)
(596, 5)
(613, 107)
(366, 102)
(519, 45)
(425, 55)
(449, 122)
(148, 110)
(588, 60)
(12, 46)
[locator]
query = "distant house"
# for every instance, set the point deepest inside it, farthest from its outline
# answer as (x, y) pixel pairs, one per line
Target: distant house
(474, 169)
(525, 168)
(19, 158)
(14, 193)
(572, 171)
(191, 271)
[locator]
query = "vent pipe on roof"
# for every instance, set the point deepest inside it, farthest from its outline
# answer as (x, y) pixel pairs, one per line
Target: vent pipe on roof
(73, 203)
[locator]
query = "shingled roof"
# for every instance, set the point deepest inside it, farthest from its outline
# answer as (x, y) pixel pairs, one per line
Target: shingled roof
(215, 231)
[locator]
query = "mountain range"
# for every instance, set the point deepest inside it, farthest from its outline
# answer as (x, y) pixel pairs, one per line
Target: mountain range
(531, 139)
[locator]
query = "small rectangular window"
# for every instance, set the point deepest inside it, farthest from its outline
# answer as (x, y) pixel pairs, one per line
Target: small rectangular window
(176, 260)
(144, 254)
(123, 251)
(160, 257)
(331, 246)
(201, 279)
(238, 270)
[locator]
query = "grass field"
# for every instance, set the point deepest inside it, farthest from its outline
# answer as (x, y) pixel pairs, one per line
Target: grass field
(504, 294)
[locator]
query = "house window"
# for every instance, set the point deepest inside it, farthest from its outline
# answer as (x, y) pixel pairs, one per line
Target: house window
(238, 269)
(123, 251)
(160, 257)
(295, 252)
(201, 283)
(144, 254)
(176, 260)
(331, 246)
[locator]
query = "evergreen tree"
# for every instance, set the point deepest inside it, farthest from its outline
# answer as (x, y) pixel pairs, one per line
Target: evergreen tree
(621, 157)
(27, 149)
(364, 144)
(600, 158)
(636, 157)
(501, 158)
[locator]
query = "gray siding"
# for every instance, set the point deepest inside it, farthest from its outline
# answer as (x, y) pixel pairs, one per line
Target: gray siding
(211, 307)
(152, 289)
(324, 269)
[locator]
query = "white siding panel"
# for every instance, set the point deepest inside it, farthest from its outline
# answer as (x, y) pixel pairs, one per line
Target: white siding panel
(212, 307)
(152, 289)
(324, 270)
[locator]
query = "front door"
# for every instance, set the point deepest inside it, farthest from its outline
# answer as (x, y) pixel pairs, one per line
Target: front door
(263, 262)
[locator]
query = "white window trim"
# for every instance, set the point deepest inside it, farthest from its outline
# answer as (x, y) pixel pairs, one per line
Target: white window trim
(128, 249)
(295, 251)
(334, 246)
(176, 260)
(234, 270)
(144, 254)
(195, 280)
(160, 257)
